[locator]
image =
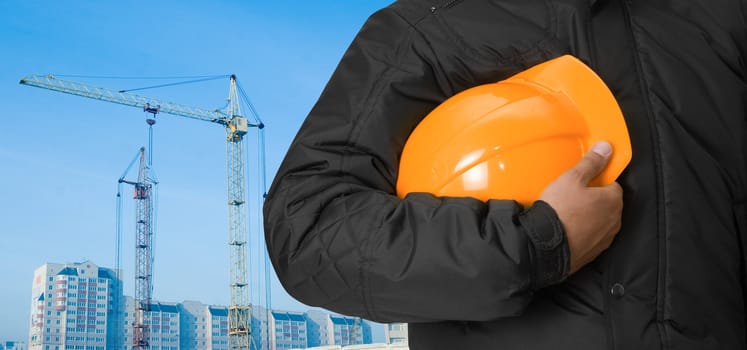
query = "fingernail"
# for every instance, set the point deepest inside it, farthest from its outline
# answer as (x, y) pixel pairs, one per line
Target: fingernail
(602, 148)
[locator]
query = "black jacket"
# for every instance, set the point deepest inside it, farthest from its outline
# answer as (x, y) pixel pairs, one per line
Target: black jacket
(493, 275)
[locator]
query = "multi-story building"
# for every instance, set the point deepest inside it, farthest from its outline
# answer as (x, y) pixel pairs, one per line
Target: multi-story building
(217, 319)
(128, 318)
(13, 345)
(206, 327)
(346, 330)
(260, 320)
(193, 322)
(80, 306)
(71, 307)
(162, 321)
(325, 329)
(396, 333)
(316, 322)
(287, 330)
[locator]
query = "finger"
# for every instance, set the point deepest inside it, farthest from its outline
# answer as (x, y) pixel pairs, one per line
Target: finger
(593, 162)
(614, 187)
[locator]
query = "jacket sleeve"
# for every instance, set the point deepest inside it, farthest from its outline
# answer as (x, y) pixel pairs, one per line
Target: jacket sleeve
(339, 237)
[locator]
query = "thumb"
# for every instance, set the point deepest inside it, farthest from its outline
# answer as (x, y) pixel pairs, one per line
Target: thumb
(593, 162)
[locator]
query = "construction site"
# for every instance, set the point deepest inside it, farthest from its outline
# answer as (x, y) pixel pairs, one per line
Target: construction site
(207, 151)
(141, 322)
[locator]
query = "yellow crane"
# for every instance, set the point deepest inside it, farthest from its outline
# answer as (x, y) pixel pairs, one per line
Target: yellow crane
(236, 126)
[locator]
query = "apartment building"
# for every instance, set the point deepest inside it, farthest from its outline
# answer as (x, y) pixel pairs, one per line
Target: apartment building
(71, 307)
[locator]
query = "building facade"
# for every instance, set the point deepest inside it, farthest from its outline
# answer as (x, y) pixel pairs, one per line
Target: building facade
(206, 327)
(260, 329)
(13, 345)
(72, 307)
(396, 333)
(194, 328)
(217, 319)
(162, 321)
(80, 306)
(325, 329)
(287, 330)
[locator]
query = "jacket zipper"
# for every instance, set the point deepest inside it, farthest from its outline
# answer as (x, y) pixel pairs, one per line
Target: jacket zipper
(449, 4)
(444, 6)
(661, 294)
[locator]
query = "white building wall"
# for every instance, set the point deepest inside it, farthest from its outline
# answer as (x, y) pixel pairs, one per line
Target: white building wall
(193, 323)
(318, 328)
(13, 345)
(287, 330)
(129, 318)
(260, 328)
(217, 317)
(70, 306)
(345, 330)
(396, 333)
(163, 321)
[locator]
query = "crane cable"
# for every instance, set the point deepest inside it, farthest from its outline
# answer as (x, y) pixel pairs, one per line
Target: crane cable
(139, 77)
(176, 83)
(248, 102)
(262, 184)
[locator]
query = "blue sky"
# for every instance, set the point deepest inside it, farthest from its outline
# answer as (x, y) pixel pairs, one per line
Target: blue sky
(61, 155)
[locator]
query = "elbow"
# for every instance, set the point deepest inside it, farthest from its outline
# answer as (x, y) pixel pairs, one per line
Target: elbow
(321, 283)
(312, 267)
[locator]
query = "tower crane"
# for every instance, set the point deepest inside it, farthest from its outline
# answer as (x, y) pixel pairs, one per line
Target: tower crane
(236, 126)
(143, 193)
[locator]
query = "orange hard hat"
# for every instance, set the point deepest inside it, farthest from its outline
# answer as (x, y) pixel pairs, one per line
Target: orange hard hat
(510, 139)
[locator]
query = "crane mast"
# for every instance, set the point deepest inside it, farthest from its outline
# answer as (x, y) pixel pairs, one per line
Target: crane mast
(239, 313)
(144, 230)
(236, 126)
(143, 255)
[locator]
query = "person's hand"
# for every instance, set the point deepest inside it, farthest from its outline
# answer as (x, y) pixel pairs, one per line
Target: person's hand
(590, 215)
